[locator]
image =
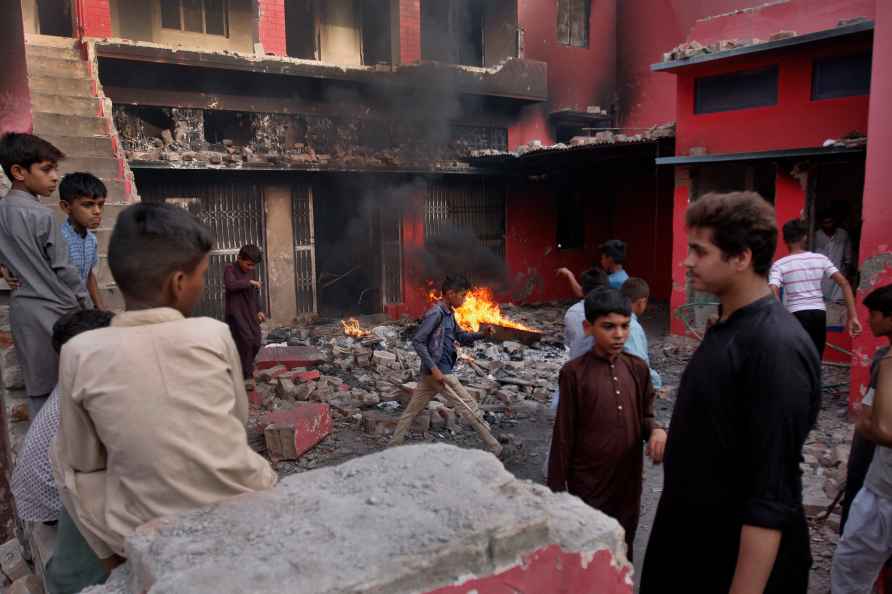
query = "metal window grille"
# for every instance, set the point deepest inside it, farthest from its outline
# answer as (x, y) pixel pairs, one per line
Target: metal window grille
(304, 249)
(477, 205)
(392, 254)
(573, 22)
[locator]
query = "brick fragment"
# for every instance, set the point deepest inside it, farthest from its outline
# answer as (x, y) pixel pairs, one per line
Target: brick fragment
(29, 584)
(307, 376)
(291, 433)
(12, 560)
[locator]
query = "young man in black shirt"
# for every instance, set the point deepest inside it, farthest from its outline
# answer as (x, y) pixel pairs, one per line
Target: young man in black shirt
(732, 496)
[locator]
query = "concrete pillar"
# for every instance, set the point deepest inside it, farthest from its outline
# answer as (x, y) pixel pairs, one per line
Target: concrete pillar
(271, 26)
(875, 250)
(280, 254)
(93, 18)
(15, 108)
(679, 249)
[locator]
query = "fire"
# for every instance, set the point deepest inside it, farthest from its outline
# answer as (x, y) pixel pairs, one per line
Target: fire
(352, 328)
(480, 308)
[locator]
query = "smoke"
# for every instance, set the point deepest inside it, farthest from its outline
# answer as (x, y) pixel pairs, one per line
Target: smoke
(457, 250)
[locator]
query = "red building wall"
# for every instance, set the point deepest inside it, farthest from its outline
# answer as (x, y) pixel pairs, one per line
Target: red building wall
(93, 18)
(876, 241)
(271, 26)
(577, 77)
(649, 28)
(15, 98)
(410, 31)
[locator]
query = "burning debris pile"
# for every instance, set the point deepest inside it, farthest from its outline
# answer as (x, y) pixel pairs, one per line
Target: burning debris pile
(365, 374)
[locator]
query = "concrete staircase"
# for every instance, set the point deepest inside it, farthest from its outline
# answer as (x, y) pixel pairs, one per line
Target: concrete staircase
(70, 110)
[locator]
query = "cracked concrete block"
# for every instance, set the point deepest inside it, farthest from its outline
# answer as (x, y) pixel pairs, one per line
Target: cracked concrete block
(12, 560)
(291, 433)
(410, 520)
(10, 369)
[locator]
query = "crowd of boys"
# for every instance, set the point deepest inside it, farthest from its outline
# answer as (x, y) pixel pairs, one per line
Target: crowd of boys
(100, 385)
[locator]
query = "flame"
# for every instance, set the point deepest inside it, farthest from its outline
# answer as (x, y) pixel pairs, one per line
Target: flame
(352, 328)
(480, 308)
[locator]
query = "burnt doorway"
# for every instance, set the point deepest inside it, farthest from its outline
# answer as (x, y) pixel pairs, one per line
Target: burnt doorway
(348, 254)
(235, 215)
(54, 17)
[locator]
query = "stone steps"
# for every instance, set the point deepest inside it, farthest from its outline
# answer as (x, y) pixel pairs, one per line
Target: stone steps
(76, 105)
(104, 168)
(68, 87)
(48, 123)
(58, 67)
(83, 147)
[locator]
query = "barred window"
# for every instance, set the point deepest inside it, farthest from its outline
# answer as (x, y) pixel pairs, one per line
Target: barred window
(196, 16)
(573, 22)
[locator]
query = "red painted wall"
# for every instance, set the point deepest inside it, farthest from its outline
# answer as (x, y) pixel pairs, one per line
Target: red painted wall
(876, 243)
(93, 18)
(15, 98)
(649, 28)
(410, 31)
(796, 120)
(271, 26)
(577, 77)
(552, 571)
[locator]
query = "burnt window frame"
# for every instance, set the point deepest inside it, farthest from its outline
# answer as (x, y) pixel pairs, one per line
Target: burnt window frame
(818, 76)
(569, 230)
(571, 8)
(204, 20)
(744, 77)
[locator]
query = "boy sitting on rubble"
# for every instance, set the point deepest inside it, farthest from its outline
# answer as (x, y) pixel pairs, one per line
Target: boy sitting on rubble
(604, 417)
(243, 311)
(153, 408)
(73, 565)
(435, 342)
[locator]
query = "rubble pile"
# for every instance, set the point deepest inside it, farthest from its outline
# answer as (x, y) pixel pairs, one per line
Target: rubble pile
(265, 140)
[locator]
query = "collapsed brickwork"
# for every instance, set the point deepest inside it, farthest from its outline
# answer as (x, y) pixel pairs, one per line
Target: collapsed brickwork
(397, 522)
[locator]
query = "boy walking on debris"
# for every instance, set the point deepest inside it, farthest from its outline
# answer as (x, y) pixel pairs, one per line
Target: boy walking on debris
(33, 250)
(153, 409)
(243, 311)
(73, 565)
(435, 342)
(800, 276)
(82, 197)
(637, 291)
(604, 417)
(866, 543)
(732, 490)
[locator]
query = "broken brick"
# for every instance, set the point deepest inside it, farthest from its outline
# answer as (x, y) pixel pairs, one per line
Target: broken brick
(289, 356)
(285, 388)
(12, 560)
(291, 433)
(29, 584)
(307, 376)
(266, 375)
(380, 423)
(255, 398)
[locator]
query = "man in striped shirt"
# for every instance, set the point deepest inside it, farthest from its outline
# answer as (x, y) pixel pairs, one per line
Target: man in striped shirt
(800, 276)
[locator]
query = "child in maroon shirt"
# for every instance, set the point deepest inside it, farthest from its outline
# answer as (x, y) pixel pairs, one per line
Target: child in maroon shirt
(243, 311)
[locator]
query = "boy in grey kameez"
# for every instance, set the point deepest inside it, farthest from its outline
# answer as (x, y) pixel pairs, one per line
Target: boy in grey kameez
(33, 250)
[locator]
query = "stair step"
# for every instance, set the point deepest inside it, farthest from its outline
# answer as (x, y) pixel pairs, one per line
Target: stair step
(36, 39)
(66, 104)
(83, 147)
(101, 167)
(115, 187)
(69, 87)
(58, 68)
(49, 51)
(48, 123)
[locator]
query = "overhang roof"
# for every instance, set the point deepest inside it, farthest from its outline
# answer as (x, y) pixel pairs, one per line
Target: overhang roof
(854, 29)
(761, 155)
(575, 156)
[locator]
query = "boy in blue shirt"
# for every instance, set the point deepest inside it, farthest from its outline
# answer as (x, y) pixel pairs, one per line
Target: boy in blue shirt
(637, 291)
(82, 198)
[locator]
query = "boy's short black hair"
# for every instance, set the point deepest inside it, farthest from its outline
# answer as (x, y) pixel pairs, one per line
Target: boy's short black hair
(635, 289)
(738, 221)
(794, 231)
(81, 185)
(150, 241)
(250, 252)
(880, 300)
(76, 322)
(25, 150)
(593, 278)
(456, 282)
(605, 301)
(616, 249)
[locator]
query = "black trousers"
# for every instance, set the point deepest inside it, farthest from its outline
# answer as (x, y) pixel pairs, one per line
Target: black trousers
(815, 323)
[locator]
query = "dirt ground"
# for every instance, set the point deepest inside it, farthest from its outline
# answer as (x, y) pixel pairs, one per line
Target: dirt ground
(528, 436)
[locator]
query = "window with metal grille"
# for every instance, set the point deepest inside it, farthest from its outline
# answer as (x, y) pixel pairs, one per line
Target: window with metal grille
(196, 16)
(477, 206)
(841, 76)
(739, 90)
(573, 22)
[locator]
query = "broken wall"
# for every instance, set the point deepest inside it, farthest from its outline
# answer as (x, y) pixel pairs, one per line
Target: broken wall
(141, 21)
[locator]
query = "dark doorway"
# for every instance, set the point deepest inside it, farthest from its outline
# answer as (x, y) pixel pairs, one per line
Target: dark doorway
(348, 247)
(452, 31)
(54, 17)
(300, 29)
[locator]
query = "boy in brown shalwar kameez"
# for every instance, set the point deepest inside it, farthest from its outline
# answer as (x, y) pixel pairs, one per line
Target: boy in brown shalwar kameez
(243, 311)
(604, 417)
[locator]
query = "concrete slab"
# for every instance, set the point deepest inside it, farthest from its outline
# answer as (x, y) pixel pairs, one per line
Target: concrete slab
(290, 357)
